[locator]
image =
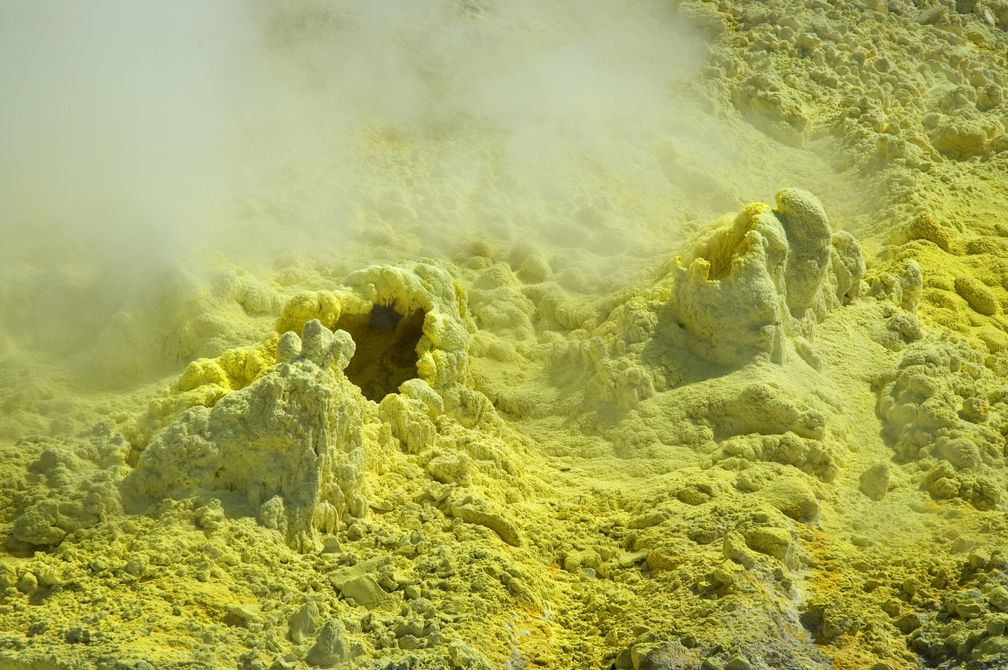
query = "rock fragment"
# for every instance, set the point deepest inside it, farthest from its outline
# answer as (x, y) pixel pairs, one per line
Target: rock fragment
(302, 625)
(331, 647)
(484, 514)
(874, 481)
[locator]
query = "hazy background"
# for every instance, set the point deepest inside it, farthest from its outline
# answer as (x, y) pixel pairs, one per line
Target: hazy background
(134, 128)
(140, 139)
(162, 162)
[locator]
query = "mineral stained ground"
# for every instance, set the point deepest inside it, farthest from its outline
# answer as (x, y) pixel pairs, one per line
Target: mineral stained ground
(651, 335)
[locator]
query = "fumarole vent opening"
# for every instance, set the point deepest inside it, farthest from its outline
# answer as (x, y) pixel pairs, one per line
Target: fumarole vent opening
(386, 354)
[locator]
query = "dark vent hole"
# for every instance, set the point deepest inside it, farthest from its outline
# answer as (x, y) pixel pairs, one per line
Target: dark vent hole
(386, 349)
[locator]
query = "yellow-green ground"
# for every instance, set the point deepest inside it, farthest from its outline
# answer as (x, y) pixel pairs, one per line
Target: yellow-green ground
(700, 308)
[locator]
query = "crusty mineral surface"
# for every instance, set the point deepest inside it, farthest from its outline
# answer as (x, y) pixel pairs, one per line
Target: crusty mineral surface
(471, 335)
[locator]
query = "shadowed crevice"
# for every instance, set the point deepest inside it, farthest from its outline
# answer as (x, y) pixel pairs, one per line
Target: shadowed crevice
(386, 349)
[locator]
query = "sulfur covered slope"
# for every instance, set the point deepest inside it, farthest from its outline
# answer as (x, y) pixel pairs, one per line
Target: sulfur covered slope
(614, 412)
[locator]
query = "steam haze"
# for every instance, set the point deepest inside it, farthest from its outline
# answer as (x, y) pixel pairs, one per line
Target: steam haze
(132, 127)
(143, 142)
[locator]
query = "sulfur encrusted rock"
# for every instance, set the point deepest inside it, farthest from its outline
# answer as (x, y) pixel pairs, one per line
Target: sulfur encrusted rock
(758, 286)
(405, 323)
(874, 481)
(285, 441)
(290, 444)
(71, 485)
(941, 407)
(331, 648)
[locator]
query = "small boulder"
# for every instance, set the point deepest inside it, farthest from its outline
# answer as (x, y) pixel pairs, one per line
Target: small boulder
(874, 481)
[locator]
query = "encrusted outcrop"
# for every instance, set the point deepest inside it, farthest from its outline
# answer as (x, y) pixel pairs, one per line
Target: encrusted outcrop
(759, 285)
(289, 446)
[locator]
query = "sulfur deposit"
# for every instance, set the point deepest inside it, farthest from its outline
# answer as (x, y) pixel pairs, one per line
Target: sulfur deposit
(767, 278)
(462, 335)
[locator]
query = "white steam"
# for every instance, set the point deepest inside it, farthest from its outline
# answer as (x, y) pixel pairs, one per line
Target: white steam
(138, 140)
